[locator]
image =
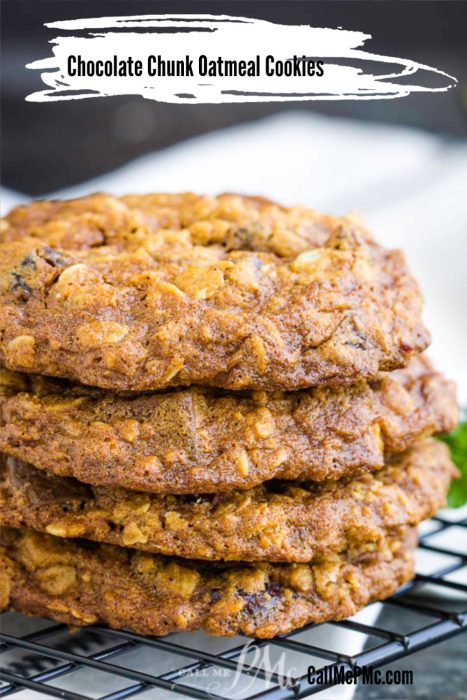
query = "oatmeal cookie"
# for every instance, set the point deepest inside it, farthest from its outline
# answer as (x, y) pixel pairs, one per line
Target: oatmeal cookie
(147, 292)
(205, 441)
(275, 522)
(150, 594)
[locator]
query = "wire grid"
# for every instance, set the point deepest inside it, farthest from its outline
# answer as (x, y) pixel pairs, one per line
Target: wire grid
(434, 607)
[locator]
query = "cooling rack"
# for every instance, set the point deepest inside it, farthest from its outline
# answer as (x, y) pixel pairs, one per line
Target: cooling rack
(104, 664)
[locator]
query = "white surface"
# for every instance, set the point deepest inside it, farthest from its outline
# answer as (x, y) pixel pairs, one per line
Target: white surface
(144, 658)
(411, 188)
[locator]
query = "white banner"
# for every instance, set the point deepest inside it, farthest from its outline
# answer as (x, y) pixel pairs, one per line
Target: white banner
(213, 59)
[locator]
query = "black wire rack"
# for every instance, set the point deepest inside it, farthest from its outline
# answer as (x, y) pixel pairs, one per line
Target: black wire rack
(105, 664)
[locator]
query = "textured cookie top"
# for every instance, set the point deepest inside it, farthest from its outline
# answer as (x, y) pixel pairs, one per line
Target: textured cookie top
(205, 441)
(273, 522)
(147, 292)
(79, 584)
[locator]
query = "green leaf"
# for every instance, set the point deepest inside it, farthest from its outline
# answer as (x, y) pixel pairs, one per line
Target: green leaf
(457, 443)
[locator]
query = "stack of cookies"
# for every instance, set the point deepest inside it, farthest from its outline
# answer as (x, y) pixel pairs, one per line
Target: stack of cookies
(214, 414)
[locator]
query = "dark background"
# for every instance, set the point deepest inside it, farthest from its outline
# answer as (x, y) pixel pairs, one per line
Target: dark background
(46, 146)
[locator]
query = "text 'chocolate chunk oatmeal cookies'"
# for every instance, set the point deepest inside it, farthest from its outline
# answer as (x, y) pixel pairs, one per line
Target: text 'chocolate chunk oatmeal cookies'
(80, 584)
(205, 441)
(147, 292)
(275, 522)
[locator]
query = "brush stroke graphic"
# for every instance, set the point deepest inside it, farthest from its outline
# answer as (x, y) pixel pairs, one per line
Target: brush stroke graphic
(350, 73)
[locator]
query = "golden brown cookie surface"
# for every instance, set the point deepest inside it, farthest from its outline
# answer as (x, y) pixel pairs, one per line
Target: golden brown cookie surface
(205, 441)
(150, 594)
(276, 522)
(147, 292)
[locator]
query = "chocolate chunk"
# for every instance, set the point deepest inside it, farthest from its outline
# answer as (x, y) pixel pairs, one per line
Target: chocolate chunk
(42, 488)
(29, 262)
(20, 286)
(53, 257)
